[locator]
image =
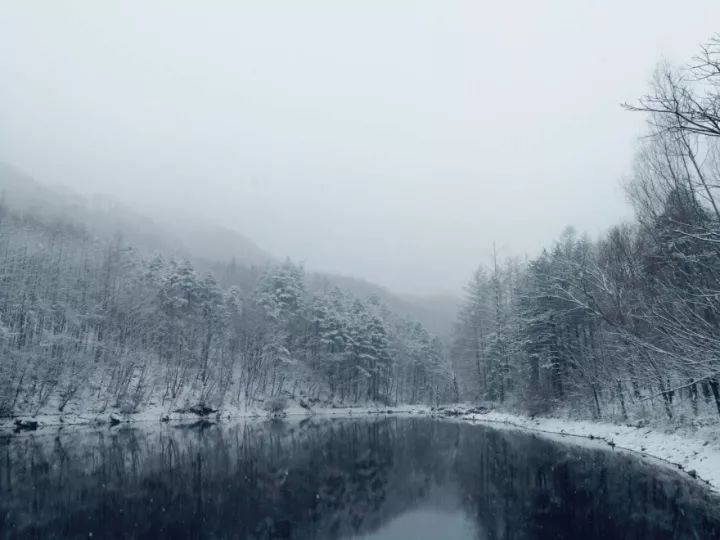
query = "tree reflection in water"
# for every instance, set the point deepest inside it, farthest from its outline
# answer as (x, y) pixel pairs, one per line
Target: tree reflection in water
(332, 479)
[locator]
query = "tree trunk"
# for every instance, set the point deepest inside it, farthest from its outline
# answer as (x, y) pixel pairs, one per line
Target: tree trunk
(694, 397)
(715, 387)
(622, 400)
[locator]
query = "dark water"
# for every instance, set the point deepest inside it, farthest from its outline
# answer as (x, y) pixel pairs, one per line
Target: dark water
(392, 478)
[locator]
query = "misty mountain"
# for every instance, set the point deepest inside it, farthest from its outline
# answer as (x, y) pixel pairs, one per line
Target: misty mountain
(104, 217)
(207, 244)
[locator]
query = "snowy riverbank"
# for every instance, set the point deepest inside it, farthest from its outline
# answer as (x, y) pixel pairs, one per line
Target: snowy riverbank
(157, 414)
(694, 449)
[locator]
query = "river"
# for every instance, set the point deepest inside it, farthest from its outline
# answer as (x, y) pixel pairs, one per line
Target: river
(369, 479)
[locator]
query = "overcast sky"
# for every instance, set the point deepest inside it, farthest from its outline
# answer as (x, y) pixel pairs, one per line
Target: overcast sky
(391, 140)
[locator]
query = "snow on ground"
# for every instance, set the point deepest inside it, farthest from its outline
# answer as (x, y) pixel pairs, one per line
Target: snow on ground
(695, 449)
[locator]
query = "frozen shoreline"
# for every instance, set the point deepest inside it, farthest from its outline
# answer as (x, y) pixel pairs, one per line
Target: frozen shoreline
(693, 449)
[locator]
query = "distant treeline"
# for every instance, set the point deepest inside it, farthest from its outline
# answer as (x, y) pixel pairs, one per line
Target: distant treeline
(90, 326)
(630, 323)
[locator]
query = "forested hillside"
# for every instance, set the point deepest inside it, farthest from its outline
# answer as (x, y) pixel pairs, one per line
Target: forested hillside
(91, 325)
(231, 256)
(627, 325)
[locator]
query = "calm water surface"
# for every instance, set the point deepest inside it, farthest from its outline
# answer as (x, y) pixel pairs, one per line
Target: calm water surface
(391, 478)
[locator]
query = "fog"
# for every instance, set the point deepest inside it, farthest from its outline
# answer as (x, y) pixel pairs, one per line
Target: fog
(394, 141)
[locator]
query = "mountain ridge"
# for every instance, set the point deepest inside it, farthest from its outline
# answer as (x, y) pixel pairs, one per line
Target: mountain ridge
(196, 239)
